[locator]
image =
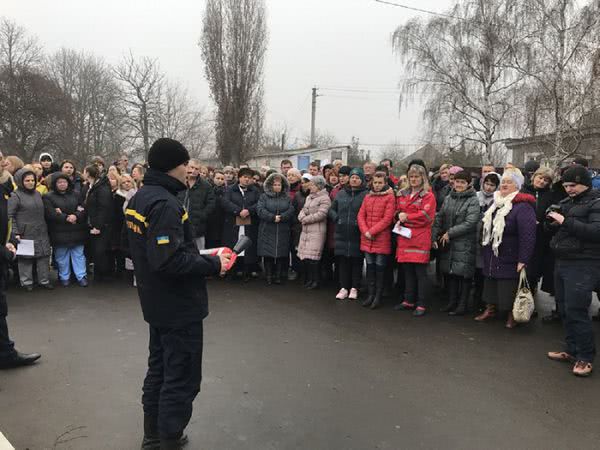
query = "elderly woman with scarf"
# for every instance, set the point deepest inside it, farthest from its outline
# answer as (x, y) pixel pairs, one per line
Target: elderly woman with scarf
(509, 227)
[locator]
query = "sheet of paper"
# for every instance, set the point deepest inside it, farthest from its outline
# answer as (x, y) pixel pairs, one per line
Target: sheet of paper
(401, 230)
(25, 248)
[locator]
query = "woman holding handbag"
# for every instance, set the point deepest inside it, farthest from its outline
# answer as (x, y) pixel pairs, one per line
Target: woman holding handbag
(415, 211)
(509, 228)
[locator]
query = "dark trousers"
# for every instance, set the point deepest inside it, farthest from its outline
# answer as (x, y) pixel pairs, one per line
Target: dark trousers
(350, 271)
(173, 378)
(575, 282)
(415, 278)
(6, 345)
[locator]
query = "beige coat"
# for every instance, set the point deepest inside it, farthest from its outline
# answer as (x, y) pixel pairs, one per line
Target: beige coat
(313, 218)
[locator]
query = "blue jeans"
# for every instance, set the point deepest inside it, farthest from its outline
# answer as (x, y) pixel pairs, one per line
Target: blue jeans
(377, 259)
(575, 281)
(67, 256)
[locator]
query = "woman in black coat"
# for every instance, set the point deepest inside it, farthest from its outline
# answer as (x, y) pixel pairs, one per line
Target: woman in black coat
(67, 227)
(344, 213)
(275, 212)
(239, 208)
(100, 210)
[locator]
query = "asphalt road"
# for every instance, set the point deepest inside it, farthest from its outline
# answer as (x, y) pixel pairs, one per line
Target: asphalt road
(289, 369)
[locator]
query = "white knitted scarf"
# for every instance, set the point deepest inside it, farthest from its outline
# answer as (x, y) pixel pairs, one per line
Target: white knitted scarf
(493, 227)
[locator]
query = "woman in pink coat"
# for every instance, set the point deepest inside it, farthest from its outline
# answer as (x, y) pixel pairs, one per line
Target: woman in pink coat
(313, 218)
(375, 223)
(415, 209)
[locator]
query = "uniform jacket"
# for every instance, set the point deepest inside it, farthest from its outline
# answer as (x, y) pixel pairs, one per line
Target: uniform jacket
(579, 235)
(518, 241)
(233, 202)
(274, 238)
(344, 214)
(199, 201)
(420, 209)
(63, 233)
(168, 268)
(459, 217)
(376, 216)
(313, 218)
(26, 210)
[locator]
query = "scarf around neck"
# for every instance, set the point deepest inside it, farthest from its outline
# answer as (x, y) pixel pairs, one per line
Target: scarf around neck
(493, 226)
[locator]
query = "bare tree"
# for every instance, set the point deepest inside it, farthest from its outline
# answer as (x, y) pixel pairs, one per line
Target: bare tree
(558, 61)
(94, 120)
(460, 63)
(142, 85)
(233, 43)
(31, 105)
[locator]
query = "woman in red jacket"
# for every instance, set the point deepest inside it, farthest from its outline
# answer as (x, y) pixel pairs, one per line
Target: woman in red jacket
(375, 220)
(416, 213)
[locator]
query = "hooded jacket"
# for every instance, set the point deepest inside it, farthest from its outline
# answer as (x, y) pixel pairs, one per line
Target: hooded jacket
(168, 267)
(26, 210)
(62, 232)
(274, 237)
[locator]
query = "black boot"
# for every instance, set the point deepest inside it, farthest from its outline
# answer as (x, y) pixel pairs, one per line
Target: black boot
(268, 263)
(452, 284)
(465, 290)
(278, 271)
(173, 444)
(151, 440)
(315, 275)
(379, 286)
(370, 286)
(307, 274)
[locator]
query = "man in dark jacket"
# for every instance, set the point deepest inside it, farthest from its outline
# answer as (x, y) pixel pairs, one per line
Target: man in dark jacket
(576, 246)
(170, 280)
(199, 201)
(9, 357)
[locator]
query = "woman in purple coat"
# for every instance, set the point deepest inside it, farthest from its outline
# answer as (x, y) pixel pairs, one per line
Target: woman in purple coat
(509, 227)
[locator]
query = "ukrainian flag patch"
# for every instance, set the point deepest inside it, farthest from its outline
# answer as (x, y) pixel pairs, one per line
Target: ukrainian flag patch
(162, 240)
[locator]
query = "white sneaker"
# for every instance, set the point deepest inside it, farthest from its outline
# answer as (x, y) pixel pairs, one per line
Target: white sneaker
(353, 294)
(342, 295)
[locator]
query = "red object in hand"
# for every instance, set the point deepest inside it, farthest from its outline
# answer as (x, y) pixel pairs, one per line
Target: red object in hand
(221, 251)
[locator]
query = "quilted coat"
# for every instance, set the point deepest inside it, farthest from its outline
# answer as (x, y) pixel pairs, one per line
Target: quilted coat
(376, 216)
(420, 209)
(274, 237)
(313, 218)
(344, 214)
(459, 216)
(518, 241)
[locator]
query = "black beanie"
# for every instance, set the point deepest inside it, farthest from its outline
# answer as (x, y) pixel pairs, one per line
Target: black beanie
(577, 174)
(463, 175)
(166, 154)
(345, 170)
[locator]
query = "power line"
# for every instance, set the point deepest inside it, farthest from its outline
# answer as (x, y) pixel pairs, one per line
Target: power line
(412, 8)
(363, 91)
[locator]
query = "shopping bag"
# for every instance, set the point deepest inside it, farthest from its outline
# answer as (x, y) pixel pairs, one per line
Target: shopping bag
(524, 303)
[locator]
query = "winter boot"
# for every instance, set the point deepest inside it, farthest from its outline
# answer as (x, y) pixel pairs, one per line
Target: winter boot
(151, 440)
(268, 263)
(453, 286)
(278, 271)
(315, 275)
(370, 286)
(307, 273)
(379, 286)
(461, 309)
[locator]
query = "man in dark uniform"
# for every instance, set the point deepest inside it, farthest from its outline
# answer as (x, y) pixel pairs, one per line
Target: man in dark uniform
(170, 281)
(9, 357)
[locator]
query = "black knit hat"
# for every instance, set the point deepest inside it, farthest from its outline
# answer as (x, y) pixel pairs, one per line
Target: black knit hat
(166, 154)
(245, 171)
(577, 174)
(463, 175)
(345, 170)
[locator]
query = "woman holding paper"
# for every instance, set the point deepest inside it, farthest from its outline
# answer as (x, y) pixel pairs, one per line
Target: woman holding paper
(415, 211)
(26, 211)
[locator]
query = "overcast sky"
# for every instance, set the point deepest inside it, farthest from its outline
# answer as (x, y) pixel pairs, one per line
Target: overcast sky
(324, 43)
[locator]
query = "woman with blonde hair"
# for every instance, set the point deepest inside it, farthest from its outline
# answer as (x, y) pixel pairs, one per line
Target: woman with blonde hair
(415, 213)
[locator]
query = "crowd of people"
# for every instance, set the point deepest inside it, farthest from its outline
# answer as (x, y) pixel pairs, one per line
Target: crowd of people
(360, 229)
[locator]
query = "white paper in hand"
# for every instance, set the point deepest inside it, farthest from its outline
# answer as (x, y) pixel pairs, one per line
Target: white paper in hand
(402, 231)
(25, 248)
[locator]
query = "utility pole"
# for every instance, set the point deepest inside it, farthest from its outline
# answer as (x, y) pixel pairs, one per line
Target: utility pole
(283, 142)
(313, 116)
